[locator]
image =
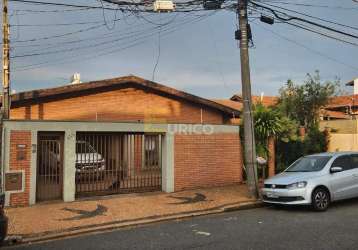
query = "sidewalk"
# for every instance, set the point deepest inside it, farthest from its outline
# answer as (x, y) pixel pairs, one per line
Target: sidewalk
(48, 221)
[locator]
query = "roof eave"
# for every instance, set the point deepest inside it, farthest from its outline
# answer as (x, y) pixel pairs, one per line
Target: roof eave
(62, 90)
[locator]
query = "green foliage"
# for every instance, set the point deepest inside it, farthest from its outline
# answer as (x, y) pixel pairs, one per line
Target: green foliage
(288, 152)
(303, 102)
(289, 129)
(300, 105)
(267, 122)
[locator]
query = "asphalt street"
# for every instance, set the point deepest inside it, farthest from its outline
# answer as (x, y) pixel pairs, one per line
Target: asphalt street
(260, 228)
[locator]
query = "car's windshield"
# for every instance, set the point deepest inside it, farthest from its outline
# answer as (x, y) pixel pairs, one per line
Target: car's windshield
(309, 164)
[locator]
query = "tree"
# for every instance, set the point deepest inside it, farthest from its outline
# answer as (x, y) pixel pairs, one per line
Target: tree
(302, 103)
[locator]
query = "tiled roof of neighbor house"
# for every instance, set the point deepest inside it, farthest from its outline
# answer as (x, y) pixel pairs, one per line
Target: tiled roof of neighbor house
(342, 101)
(265, 100)
(229, 103)
(334, 114)
(108, 84)
(235, 101)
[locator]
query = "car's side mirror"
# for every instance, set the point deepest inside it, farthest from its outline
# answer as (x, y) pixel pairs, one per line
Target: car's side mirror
(336, 170)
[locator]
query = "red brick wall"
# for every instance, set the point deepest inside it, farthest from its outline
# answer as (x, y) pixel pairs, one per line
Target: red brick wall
(23, 138)
(128, 104)
(207, 160)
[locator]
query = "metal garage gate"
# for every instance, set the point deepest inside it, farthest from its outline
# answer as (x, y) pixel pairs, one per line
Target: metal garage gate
(109, 163)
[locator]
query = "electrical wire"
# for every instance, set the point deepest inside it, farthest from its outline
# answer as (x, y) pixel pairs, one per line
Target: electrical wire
(310, 29)
(337, 7)
(355, 68)
(320, 33)
(61, 35)
(42, 53)
(289, 18)
(62, 4)
(28, 11)
(102, 53)
(159, 51)
(313, 17)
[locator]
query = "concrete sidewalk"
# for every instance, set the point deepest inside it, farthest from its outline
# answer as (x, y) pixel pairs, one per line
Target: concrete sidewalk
(48, 221)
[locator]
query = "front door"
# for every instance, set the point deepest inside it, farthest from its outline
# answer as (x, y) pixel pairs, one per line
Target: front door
(49, 180)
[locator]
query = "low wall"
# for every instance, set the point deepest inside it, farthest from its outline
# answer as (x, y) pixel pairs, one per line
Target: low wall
(207, 160)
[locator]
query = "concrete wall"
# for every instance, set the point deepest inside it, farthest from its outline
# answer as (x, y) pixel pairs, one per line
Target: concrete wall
(224, 141)
(343, 135)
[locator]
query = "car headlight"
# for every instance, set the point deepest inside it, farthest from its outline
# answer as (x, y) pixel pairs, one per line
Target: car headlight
(300, 184)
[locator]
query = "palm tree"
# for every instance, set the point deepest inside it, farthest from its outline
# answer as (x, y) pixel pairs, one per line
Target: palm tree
(268, 125)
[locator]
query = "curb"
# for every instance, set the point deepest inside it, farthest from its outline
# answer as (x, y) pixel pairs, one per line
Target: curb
(136, 223)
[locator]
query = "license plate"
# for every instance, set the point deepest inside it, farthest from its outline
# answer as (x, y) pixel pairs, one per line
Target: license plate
(271, 195)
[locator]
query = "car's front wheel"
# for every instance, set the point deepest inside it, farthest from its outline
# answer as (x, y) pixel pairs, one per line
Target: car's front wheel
(320, 199)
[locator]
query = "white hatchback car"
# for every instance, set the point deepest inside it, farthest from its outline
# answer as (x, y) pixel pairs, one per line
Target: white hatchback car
(315, 179)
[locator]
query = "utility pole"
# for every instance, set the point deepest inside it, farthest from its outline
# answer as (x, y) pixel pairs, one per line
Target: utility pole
(6, 63)
(5, 109)
(249, 136)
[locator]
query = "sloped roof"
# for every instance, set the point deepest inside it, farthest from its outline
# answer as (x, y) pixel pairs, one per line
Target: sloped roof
(229, 103)
(342, 101)
(265, 100)
(108, 84)
(334, 114)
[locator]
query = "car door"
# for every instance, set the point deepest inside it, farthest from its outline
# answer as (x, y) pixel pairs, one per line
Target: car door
(343, 184)
(355, 173)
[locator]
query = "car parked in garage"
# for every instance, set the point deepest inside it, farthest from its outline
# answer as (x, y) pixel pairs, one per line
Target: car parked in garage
(315, 180)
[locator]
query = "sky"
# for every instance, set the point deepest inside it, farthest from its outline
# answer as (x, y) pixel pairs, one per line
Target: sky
(194, 52)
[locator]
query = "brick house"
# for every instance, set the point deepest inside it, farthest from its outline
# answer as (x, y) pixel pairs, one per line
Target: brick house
(112, 136)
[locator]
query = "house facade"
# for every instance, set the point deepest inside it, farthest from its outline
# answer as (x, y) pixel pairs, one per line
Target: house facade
(114, 136)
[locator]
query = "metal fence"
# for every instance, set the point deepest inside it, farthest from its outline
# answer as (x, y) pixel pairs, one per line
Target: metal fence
(49, 167)
(108, 163)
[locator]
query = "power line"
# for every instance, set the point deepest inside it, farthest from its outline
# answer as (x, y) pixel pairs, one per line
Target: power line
(102, 53)
(130, 35)
(289, 18)
(159, 52)
(64, 34)
(307, 47)
(321, 33)
(28, 11)
(310, 29)
(314, 17)
(112, 34)
(63, 4)
(315, 5)
(55, 24)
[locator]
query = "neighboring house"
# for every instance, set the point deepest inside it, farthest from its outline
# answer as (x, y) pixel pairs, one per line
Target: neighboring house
(338, 118)
(264, 100)
(342, 107)
(236, 102)
(113, 136)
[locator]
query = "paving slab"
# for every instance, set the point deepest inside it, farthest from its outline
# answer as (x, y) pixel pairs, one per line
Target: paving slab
(59, 219)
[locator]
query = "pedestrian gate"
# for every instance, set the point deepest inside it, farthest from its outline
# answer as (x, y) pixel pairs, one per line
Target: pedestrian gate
(109, 163)
(49, 179)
